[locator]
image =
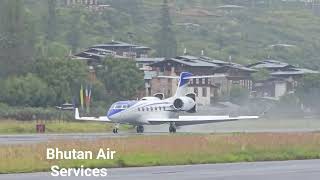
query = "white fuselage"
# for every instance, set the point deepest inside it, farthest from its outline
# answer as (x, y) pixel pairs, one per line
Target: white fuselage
(138, 112)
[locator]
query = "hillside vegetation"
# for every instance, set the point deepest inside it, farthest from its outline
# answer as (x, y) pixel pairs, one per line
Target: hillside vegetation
(246, 32)
(36, 38)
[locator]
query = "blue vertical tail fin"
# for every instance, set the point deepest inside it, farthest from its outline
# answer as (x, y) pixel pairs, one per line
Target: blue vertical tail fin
(183, 83)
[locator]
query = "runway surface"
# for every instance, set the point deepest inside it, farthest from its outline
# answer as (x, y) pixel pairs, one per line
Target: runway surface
(276, 170)
(42, 138)
(247, 126)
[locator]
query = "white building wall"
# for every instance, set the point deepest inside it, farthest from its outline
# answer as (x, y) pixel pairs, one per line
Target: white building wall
(200, 98)
(280, 89)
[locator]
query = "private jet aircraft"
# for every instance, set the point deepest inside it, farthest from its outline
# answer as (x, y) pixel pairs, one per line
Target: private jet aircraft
(156, 110)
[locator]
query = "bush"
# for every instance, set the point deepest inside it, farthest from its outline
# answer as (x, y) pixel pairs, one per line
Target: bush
(29, 113)
(27, 90)
(239, 94)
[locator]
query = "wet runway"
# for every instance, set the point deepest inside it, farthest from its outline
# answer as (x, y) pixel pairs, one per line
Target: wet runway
(276, 170)
(245, 126)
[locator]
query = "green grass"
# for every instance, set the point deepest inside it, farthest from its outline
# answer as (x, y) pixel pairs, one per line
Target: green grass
(24, 127)
(167, 150)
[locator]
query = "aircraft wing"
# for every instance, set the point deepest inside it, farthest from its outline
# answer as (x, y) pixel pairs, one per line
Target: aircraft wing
(192, 120)
(101, 118)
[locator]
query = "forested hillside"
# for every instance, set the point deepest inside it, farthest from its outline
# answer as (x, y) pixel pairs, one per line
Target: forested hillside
(246, 31)
(36, 38)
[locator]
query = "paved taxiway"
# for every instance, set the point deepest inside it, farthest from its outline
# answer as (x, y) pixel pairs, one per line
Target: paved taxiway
(276, 170)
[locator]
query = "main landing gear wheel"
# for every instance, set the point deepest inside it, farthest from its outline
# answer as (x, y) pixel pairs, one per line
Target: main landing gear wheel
(115, 130)
(172, 128)
(140, 129)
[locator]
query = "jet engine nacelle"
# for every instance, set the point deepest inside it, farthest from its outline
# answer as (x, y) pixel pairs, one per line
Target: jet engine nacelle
(184, 103)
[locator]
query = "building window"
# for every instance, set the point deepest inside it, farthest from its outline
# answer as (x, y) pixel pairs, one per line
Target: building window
(138, 109)
(204, 92)
(151, 109)
(197, 81)
(203, 80)
(142, 109)
(155, 108)
(196, 91)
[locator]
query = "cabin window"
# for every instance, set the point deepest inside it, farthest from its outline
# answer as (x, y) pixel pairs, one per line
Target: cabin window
(147, 109)
(155, 108)
(151, 109)
(138, 109)
(142, 109)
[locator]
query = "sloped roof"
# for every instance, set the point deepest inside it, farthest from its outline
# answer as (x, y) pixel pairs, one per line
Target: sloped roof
(149, 59)
(295, 71)
(269, 63)
(193, 61)
(206, 62)
(120, 44)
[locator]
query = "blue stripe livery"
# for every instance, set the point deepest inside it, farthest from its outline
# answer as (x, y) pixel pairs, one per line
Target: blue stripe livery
(182, 80)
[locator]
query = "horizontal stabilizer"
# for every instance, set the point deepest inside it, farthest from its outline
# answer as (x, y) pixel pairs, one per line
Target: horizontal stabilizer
(101, 118)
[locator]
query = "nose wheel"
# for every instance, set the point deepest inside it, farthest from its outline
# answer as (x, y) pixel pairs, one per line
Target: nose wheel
(115, 129)
(140, 129)
(172, 128)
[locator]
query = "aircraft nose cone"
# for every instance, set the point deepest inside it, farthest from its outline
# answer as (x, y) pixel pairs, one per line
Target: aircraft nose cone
(113, 112)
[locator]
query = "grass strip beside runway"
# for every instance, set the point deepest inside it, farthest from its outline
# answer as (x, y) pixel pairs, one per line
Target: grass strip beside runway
(167, 150)
(26, 127)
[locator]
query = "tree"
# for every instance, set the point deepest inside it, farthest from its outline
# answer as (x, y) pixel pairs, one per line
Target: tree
(132, 7)
(166, 44)
(75, 32)
(16, 38)
(51, 20)
(122, 79)
(27, 90)
(239, 94)
(63, 76)
(309, 91)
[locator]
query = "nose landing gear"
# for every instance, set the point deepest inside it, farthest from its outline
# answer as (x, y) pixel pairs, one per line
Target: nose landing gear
(115, 129)
(140, 129)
